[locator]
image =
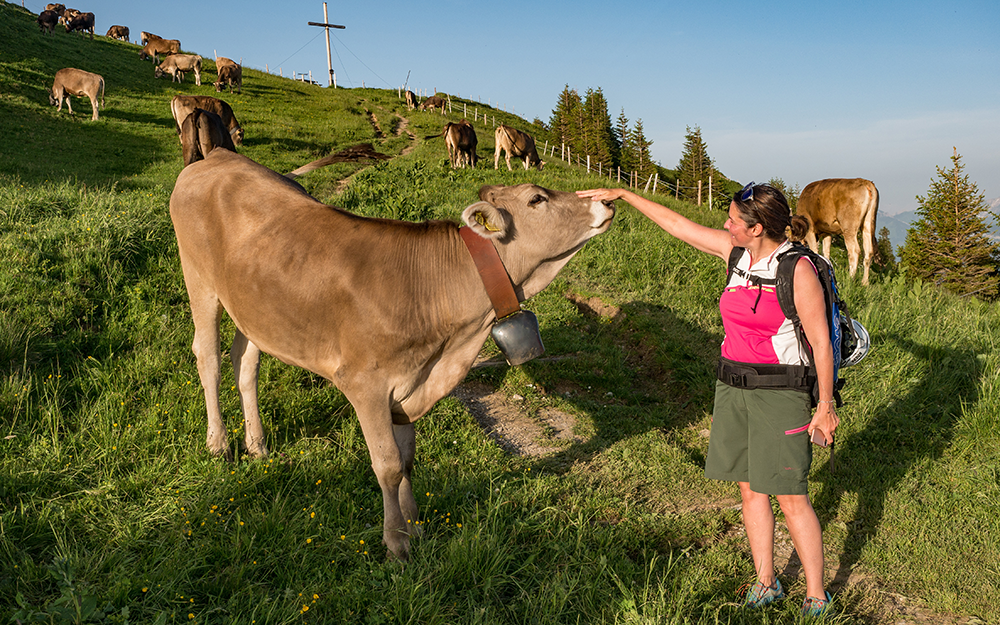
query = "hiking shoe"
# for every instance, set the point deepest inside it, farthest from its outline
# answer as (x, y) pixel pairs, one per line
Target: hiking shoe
(816, 607)
(760, 595)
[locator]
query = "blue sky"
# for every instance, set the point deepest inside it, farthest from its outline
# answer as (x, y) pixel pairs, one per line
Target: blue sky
(795, 90)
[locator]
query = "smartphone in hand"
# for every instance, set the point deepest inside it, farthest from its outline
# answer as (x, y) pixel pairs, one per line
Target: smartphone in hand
(818, 438)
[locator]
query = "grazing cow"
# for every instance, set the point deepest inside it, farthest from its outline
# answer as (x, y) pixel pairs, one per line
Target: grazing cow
(201, 132)
(47, 21)
(58, 8)
(155, 47)
(229, 75)
(460, 138)
(177, 64)
(393, 313)
(411, 100)
(518, 144)
(67, 15)
(433, 102)
(71, 81)
(145, 37)
(841, 206)
(118, 32)
(83, 22)
(183, 105)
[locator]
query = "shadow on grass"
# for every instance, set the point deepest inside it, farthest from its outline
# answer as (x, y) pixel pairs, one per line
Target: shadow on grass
(906, 433)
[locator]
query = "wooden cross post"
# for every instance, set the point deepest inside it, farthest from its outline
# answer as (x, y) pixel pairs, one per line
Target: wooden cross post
(329, 59)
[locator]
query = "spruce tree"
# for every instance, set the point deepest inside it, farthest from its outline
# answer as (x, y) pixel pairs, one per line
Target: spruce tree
(949, 244)
(695, 166)
(627, 159)
(565, 118)
(640, 147)
(601, 144)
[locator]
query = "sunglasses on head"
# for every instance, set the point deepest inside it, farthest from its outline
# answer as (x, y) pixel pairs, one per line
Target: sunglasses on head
(746, 195)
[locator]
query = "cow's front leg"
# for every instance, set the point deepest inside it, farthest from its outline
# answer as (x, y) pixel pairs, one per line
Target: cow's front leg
(406, 441)
(246, 367)
(390, 469)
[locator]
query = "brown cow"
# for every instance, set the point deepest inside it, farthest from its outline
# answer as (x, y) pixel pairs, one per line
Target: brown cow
(461, 141)
(201, 132)
(118, 32)
(841, 206)
(71, 81)
(58, 8)
(145, 37)
(47, 21)
(155, 47)
(432, 103)
(83, 22)
(518, 144)
(393, 313)
(411, 100)
(67, 15)
(229, 75)
(183, 105)
(177, 64)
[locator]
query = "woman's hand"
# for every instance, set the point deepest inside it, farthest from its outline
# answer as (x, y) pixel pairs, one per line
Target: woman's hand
(825, 420)
(602, 195)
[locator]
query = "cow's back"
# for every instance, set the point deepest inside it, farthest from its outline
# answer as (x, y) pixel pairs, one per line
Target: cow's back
(832, 203)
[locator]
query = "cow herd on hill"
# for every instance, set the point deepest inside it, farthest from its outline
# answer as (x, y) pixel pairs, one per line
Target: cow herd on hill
(296, 277)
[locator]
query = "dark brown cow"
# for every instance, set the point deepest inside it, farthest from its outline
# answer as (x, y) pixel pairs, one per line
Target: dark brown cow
(118, 32)
(411, 100)
(842, 206)
(83, 22)
(155, 47)
(229, 74)
(201, 132)
(71, 81)
(393, 313)
(515, 143)
(432, 103)
(183, 105)
(47, 21)
(67, 15)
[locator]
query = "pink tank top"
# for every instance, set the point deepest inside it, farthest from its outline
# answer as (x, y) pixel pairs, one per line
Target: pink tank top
(756, 329)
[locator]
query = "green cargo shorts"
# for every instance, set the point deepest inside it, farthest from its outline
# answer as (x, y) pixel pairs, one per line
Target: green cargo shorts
(760, 436)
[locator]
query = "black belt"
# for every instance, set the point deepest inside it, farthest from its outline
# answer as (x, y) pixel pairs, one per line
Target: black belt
(751, 376)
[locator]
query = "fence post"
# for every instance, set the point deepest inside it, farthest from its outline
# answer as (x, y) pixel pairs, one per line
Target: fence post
(677, 189)
(699, 193)
(710, 190)
(619, 174)
(656, 181)
(588, 163)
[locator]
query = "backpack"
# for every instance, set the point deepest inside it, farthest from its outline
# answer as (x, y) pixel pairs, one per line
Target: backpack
(844, 336)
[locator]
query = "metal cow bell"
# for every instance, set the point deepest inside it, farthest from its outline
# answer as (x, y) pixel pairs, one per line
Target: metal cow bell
(518, 337)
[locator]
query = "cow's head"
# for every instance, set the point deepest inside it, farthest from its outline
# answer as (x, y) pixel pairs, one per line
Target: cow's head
(52, 98)
(536, 230)
(158, 71)
(237, 135)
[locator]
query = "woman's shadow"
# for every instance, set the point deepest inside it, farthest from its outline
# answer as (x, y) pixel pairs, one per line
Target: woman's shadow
(918, 426)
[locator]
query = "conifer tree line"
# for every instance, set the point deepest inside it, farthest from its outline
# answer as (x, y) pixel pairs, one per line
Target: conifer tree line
(584, 127)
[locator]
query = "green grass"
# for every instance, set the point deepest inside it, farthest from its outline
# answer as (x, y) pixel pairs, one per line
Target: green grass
(111, 509)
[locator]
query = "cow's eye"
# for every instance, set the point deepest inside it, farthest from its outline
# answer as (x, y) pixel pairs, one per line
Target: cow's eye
(538, 199)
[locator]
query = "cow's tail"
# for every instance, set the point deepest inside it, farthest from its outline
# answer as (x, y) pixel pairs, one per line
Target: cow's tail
(360, 152)
(102, 92)
(871, 219)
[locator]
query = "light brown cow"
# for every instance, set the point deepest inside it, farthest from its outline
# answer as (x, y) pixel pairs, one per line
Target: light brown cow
(155, 47)
(229, 75)
(47, 21)
(411, 100)
(71, 81)
(201, 132)
(842, 206)
(83, 22)
(58, 8)
(145, 37)
(183, 105)
(393, 313)
(118, 32)
(177, 64)
(515, 143)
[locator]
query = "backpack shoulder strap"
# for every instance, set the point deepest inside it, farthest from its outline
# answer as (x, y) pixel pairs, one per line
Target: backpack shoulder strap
(734, 258)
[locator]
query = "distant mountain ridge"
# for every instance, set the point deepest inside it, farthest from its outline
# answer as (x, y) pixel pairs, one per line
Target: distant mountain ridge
(899, 223)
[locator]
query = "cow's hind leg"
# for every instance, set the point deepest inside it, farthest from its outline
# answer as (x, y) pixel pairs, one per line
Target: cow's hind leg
(246, 366)
(853, 251)
(206, 310)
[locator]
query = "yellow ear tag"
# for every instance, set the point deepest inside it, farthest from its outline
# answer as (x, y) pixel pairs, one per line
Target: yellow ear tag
(481, 219)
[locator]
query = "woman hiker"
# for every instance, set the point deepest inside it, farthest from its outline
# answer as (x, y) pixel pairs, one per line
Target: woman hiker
(761, 437)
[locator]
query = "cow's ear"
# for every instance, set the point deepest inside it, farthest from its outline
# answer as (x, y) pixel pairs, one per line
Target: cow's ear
(486, 220)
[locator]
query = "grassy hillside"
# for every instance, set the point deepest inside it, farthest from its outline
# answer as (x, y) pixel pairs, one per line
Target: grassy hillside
(111, 510)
